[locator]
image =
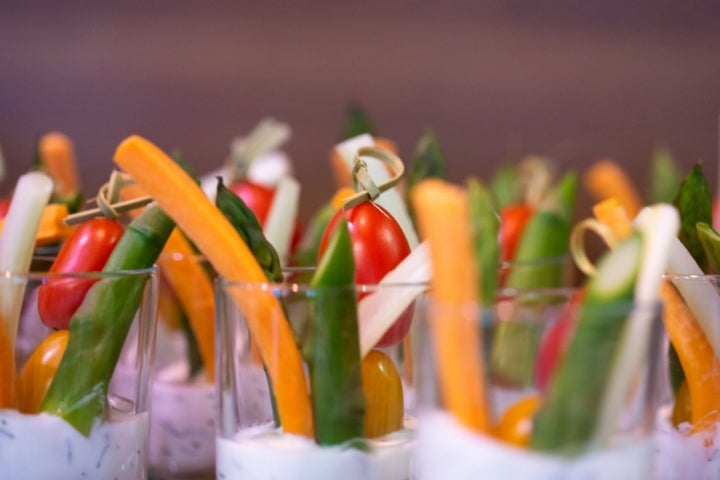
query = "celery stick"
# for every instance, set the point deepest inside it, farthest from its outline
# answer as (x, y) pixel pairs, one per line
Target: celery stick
(280, 221)
(17, 241)
(485, 224)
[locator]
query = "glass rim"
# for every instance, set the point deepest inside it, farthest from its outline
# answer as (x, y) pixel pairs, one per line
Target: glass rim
(304, 286)
(554, 260)
(691, 276)
(40, 275)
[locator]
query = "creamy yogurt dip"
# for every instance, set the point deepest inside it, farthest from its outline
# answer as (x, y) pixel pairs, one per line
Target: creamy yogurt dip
(42, 447)
(182, 425)
(263, 452)
(677, 455)
(447, 450)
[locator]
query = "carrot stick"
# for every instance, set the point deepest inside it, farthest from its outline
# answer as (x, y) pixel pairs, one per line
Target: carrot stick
(701, 366)
(7, 369)
(442, 214)
(613, 214)
(194, 290)
(605, 179)
(57, 155)
(212, 233)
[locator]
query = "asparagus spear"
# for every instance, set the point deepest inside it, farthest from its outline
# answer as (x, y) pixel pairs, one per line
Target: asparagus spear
(99, 326)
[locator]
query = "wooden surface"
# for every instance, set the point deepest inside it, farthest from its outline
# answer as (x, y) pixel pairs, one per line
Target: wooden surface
(494, 80)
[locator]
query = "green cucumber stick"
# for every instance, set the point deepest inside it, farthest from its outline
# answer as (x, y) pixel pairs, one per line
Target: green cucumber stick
(694, 203)
(545, 240)
(664, 177)
(100, 325)
(247, 225)
(334, 363)
(710, 240)
(568, 417)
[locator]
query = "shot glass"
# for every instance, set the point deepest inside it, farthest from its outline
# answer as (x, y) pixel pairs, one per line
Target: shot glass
(317, 326)
(184, 406)
(84, 418)
(687, 436)
(543, 406)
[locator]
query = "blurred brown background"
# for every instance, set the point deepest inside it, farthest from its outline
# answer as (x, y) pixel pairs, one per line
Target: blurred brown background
(494, 80)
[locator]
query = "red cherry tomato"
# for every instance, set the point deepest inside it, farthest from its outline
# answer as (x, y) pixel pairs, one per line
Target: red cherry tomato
(4, 206)
(85, 250)
(513, 219)
(258, 198)
(379, 244)
(555, 340)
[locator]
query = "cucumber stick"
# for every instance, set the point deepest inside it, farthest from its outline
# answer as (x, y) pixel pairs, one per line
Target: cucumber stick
(334, 348)
(567, 420)
(99, 326)
(484, 223)
(544, 241)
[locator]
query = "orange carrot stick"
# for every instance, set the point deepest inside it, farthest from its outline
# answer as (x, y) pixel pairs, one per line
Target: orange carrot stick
(698, 360)
(194, 291)
(57, 155)
(184, 201)
(605, 179)
(442, 213)
(613, 214)
(7, 370)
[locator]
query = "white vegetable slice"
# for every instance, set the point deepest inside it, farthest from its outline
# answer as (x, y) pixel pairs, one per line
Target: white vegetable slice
(378, 311)
(658, 225)
(391, 199)
(280, 221)
(17, 241)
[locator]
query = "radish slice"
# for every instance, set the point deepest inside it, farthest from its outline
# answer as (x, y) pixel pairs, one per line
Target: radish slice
(17, 241)
(378, 311)
(391, 199)
(280, 221)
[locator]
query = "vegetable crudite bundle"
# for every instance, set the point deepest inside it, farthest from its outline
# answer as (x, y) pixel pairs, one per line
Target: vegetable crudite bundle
(571, 423)
(687, 432)
(318, 370)
(67, 392)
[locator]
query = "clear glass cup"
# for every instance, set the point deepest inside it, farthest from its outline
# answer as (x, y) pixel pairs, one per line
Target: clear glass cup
(184, 406)
(120, 321)
(686, 448)
(250, 445)
(517, 355)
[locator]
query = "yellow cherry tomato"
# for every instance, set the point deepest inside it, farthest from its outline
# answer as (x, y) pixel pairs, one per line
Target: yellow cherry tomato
(384, 409)
(682, 411)
(515, 425)
(39, 370)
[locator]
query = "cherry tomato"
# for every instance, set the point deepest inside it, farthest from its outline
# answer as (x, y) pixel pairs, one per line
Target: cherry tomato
(513, 219)
(555, 340)
(379, 244)
(4, 206)
(515, 425)
(382, 387)
(258, 198)
(85, 250)
(39, 370)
